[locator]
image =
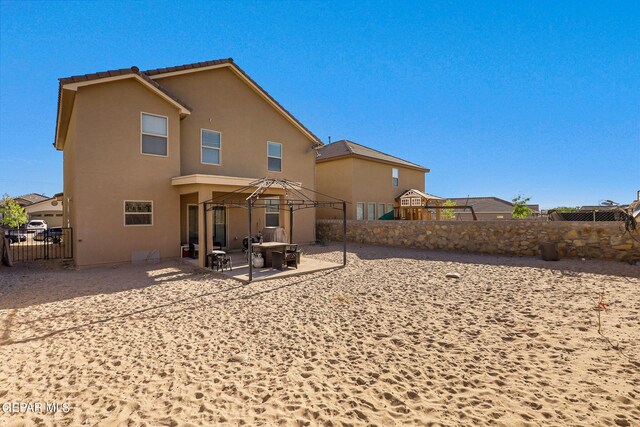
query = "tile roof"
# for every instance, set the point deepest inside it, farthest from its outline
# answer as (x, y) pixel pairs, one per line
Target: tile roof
(120, 72)
(188, 66)
(149, 74)
(489, 204)
(32, 197)
(345, 148)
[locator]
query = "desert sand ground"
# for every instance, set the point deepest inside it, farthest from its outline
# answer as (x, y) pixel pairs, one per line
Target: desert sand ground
(386, 341)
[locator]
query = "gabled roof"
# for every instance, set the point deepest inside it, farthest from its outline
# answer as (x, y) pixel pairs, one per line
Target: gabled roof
(195, 66)
(53, 200)
(346, 148)
(149, 78)
(69, 85)
(30, 198)
(489, 204)
(160, 73)
(422, 194)
(73, 82)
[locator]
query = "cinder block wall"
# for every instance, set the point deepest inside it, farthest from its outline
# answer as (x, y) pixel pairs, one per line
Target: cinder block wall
(604, 240)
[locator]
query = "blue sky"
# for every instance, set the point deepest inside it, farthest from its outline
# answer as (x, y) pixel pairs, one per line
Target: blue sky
(496, 98)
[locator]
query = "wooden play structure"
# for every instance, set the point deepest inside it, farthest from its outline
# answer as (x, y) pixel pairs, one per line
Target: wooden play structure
(416, 205)
(412, 205)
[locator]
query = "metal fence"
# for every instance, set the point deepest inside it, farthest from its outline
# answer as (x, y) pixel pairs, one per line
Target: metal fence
(593, 216)
(31, 245)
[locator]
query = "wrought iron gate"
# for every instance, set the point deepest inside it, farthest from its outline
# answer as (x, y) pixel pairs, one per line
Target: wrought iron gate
(31, 245)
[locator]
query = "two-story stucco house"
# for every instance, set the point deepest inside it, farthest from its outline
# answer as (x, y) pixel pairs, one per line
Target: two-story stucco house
(369, 179)
(143, 150)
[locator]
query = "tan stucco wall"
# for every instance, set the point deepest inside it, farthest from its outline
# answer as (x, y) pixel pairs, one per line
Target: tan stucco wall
(221, 102)
(335, 179)
(104, 167)
(363, 181)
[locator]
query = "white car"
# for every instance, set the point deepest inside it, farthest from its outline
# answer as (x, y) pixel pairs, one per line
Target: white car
(36, 225)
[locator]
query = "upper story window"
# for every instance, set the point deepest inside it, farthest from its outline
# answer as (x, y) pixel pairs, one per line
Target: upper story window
(211, 142)
(154, 135)
(394, 177)
(138, 212)
(274, 157)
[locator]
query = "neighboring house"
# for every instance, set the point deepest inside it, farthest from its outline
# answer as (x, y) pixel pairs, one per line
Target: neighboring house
(48, 210)
(488, 208)
(369, 179)
(28, 200)
(143, 150)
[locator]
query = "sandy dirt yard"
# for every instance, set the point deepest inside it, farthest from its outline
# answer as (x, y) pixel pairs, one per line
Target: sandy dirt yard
(388, 340)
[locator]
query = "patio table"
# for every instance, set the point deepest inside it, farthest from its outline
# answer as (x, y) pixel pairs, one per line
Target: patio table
(267, 248)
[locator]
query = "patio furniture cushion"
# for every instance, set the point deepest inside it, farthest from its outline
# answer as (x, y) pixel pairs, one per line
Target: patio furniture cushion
(281, 260)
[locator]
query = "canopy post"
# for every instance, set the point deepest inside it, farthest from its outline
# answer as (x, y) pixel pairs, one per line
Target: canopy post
(291, 223)
(249, 248)
(204, 213)
(344, 233)
(213, 226)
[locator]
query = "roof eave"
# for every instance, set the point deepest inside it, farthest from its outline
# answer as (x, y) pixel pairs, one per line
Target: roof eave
(372, 159)
(66, 101)
(69, 89)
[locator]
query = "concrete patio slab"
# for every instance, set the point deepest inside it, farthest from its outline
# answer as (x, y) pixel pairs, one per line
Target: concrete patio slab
(307, 265)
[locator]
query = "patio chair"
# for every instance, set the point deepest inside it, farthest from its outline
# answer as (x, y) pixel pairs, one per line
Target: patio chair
(219, 260)
(293, 249)
(289, 258)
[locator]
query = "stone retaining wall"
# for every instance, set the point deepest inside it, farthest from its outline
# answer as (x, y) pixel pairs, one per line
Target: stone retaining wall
(605, 240)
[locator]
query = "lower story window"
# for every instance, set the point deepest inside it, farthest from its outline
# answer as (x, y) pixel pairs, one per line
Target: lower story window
(272, 216)
(371, 211)
(359, 211)
(138, 212)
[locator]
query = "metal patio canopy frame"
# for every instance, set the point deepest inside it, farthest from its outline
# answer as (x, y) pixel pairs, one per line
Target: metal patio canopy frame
(299, 201)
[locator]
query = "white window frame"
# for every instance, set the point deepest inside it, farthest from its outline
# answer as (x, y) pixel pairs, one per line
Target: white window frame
(266, 211)
(124, 210)
(369, 204)
(364, 214)
(416, 201)
(405, 202)
(281, 157)
(395, 177)
(203, 147)
(153, 134)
